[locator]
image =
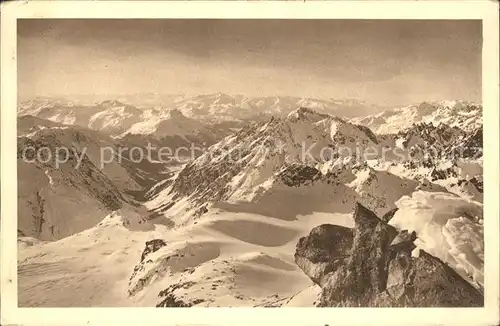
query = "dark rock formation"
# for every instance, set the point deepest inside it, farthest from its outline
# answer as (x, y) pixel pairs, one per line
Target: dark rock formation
(152, 246)
(437, 174)
(404, 239)
(378, 270)
(297, 175)
(143, 272)
(477, 183)
(441, 142)
(472, 146)
(389, 215)
(365, 274)
(425, 282)
(169, 299)
(200, 211)
(369, 133)
(322, 252)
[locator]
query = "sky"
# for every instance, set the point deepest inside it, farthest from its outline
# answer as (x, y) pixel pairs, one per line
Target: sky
(385, 62)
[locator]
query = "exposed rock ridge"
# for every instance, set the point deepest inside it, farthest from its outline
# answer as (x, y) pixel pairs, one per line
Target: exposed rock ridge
(378, 270)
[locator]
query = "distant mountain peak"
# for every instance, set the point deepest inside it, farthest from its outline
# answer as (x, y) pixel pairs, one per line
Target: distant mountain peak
(111, 103)
(175, 113)
(305, 113)
(455, 113)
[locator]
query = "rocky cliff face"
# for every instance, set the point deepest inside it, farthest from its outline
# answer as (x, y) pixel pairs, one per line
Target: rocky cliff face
(378, 270)
(325, 249)
(143, 274)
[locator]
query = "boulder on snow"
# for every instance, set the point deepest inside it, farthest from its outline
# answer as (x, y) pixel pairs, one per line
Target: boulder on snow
(373, 267)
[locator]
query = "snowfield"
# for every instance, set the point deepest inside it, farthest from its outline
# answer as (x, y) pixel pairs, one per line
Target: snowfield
(233, 259)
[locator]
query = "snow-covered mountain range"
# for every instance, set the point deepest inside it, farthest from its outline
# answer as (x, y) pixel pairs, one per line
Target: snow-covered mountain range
(117, 117)
(462, 114)
(251, 221)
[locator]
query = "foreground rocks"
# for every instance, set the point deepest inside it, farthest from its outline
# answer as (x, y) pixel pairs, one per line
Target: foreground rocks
(146, 270)
(152, 246)
(169, 299)
(372, 266)
(325, 249)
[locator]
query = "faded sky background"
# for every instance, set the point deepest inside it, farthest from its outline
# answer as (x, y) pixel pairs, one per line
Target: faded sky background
(384, 62)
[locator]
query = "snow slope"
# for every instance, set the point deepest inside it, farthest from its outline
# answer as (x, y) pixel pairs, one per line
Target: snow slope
(83, 269)
(228, 259)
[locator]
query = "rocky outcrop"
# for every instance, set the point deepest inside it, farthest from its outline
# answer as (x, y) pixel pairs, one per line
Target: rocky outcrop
(322, 252)
(389, 215)
(425, 281)
(478, 183)
(152, 246)
(471, 146)
(296, 175)
(378, 269)
(365, 274)
(169, 299)
(146, 270)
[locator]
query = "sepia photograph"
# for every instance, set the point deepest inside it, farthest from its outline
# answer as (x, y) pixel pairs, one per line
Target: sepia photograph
(250, 163)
